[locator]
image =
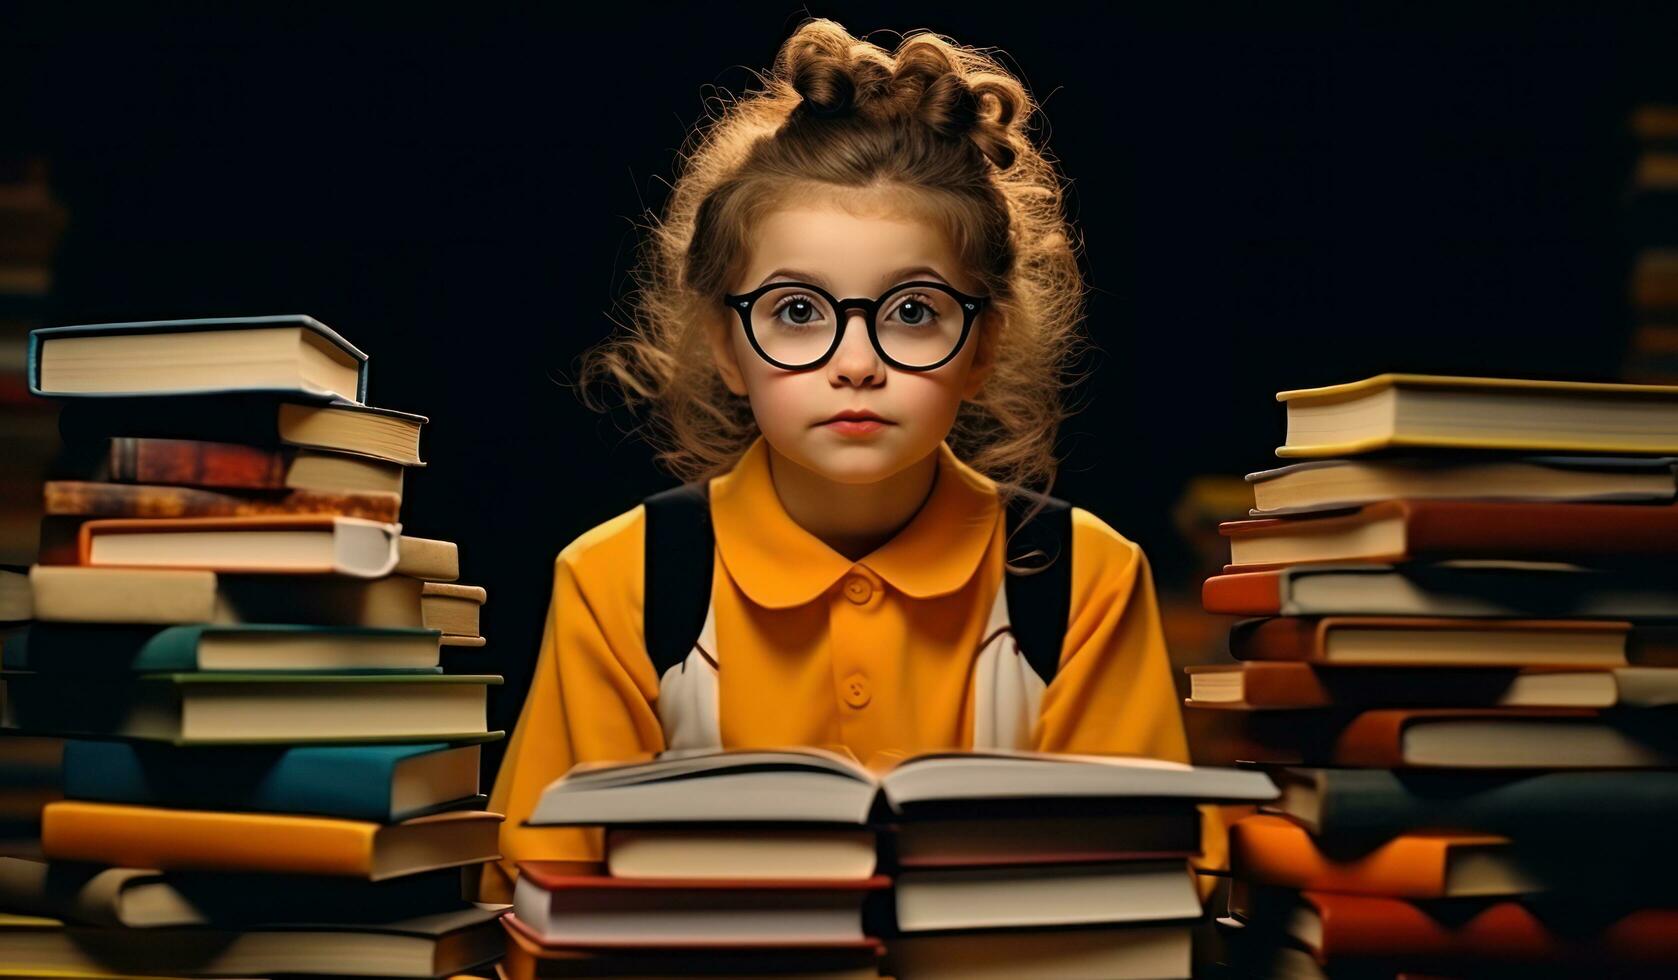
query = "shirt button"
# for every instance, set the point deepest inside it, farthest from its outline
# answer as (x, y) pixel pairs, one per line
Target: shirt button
(855, 691)
(858, 589)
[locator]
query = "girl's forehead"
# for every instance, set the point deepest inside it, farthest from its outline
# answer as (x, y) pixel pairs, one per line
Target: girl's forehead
(855, 244)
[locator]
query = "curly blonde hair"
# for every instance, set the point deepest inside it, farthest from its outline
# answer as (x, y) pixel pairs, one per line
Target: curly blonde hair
(939, 127)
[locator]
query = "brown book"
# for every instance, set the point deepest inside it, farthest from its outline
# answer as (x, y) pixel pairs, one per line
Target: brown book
(427, 558)
(1404, 530)
(228, 465)
(169, 596)
(1286, 686)
(72, 498)
(1433, 641)
(452, 608)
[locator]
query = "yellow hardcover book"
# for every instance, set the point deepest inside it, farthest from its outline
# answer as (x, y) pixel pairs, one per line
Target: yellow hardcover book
(1397, 411)
(203, 840)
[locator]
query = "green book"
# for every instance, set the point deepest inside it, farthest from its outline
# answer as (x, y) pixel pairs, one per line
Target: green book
(252, 708)
(100, 649)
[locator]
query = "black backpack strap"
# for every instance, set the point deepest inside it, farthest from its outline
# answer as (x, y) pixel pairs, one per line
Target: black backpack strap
(1040, 604)
(679, 552)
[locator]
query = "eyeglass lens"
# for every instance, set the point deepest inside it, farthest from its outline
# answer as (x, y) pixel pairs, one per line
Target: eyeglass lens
(916, 325)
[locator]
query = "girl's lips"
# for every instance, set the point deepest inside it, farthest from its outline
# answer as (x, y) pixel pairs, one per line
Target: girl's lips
(855, 427)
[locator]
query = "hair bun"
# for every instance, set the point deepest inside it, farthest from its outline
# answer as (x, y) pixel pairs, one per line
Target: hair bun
(826, 86)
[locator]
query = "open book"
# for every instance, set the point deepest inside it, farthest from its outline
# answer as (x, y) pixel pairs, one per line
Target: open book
(811, 785)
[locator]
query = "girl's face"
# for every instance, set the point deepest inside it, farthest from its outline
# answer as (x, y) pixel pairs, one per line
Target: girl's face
(851, 251)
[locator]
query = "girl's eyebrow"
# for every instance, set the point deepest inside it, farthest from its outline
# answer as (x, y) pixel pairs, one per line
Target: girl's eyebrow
(886, 280)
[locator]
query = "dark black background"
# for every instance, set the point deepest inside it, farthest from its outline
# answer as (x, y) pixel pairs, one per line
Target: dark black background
(1272, 196)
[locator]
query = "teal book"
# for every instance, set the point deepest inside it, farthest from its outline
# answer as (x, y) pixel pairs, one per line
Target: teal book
(90, 649)
(383, 783)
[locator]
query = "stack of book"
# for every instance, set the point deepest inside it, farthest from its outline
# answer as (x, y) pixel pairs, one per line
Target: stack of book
(969, 865)
(267, 770)
(1461, 672)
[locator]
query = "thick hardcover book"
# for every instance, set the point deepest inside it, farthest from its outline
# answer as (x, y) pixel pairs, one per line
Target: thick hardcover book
(1338, 484)
(381, 783)
(529, 958)
(299, 356)
(1471, 589)
(74, 498)
(1261, 686)
(1426, 530)
(261, 418)
(1364, 805)
(167, 596)
(202, 840)
(223, 465)
(1433, 641)
(254, 708)
(96, 649)
(1404, 411)
(290, 544)
(135, 898)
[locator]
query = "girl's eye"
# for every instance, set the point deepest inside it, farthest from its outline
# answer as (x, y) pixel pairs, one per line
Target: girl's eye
(913, 310)
(802, 311)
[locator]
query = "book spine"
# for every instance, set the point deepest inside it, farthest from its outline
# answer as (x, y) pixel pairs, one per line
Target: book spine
(1249, 594)
(73, 498)
(190, 462)
(194, 840)
(348, 782)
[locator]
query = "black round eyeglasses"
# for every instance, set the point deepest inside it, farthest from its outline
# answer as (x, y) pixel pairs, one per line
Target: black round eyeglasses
(915, 326)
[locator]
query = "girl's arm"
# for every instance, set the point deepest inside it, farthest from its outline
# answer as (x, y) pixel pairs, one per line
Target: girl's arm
(1113, 693)
(592, 698)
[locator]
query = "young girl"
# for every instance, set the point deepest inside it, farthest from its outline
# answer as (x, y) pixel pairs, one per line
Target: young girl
(851, 326)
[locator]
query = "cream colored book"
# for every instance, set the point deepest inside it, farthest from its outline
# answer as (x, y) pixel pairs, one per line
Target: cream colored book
(279, 544)
(452, 608)
(730, 853)
(283, 353)
(171, 596)
(1395, 411)
(427, 558)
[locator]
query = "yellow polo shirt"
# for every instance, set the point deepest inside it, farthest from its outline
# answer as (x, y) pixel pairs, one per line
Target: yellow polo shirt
(874, 655)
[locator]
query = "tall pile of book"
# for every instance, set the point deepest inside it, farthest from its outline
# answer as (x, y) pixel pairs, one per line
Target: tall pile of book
(267, 770)
(803, 862)
(1460, 670)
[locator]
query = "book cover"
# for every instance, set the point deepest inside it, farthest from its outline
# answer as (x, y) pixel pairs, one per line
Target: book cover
(39, 337)
(94, 650)
(352, 782)
(77, 498)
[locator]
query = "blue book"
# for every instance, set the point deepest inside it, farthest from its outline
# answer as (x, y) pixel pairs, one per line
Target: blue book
(103, 649)
(383, 783)
(294, 355)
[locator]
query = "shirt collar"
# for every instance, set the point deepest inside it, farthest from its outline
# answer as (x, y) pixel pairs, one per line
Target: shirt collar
(778, 564)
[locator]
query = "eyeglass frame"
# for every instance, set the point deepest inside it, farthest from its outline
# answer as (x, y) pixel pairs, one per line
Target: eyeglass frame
(742, 303)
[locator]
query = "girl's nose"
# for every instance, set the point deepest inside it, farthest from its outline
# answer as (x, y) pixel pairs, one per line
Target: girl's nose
(856, 362)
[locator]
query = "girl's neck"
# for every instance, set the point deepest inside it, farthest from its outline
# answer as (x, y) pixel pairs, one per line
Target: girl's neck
(852, 518)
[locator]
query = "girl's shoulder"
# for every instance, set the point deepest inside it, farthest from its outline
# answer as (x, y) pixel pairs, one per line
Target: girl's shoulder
(608, 557)
(1101, 554)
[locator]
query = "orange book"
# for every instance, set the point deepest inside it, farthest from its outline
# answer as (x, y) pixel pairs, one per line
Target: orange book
(1273, 850)
(1338, 928)
(202, 840)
